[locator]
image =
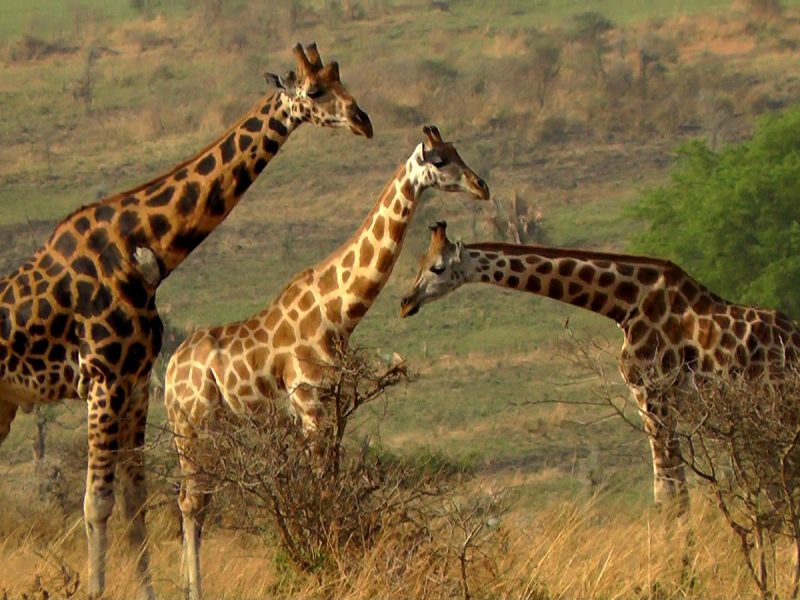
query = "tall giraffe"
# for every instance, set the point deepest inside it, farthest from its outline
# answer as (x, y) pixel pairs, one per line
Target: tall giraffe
(79, 318)
(281, 350)
(675, 330)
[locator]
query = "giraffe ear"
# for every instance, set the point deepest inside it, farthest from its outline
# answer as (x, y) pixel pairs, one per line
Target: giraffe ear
(286, 83)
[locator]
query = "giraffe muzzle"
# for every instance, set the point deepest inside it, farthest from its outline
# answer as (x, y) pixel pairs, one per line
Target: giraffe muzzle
(360, 123)
(408, 307)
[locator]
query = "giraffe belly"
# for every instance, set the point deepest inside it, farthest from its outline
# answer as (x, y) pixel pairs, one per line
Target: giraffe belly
(27, 387)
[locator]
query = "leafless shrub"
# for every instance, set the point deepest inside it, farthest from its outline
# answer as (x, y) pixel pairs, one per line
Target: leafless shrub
(742, 438)
(325, 504)
(335, 506)
(30, 47)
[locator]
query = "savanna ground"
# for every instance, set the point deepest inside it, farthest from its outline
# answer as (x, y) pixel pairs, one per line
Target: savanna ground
(96, 97)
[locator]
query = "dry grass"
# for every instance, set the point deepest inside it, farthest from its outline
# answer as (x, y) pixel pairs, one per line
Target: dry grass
(581, 548)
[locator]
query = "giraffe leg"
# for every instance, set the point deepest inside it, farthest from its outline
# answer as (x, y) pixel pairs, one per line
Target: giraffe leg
(8, 410)
(669, 475)
(133, 488)
(192, 501)
(107, 399)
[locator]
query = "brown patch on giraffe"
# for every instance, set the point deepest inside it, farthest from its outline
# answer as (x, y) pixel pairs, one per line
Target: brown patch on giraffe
(637, 332)
(669, 360)
(357, 310)
(396, 230)
(627, 291)
(647, 275)
(706, 333)
(672, 329)
(310, 323)
(240, 366)
(606, 279)
(703, 304)
(650, 348)
(407, 190)
(261, 336)
(306, 301)
(378, 226)
(727, 341)
(689, 290)
(349, 259)
(654, 306)
(289, 295)
(293, 314)
(566, 266)
(328, 281)
(586, 274)
(333, 311)
(284, 335)
(364, 288)
(739, 329)
(677, 303)
(264, 387)
(721, 357)
(385, 260)
(624, 269)
(366, 252)
(196, 378)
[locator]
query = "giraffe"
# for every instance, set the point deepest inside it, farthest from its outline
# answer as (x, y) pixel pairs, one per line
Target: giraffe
(79, 320)
(675, 330)
(283, 349)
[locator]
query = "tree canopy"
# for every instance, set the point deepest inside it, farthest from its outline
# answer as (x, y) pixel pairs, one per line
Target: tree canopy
(732, 218)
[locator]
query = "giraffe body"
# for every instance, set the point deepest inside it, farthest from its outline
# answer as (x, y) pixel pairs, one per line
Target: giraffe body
(283, 351)
(79, 320)
(675, 331)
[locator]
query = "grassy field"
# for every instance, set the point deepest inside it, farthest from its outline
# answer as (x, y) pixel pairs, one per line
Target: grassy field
(490, 363)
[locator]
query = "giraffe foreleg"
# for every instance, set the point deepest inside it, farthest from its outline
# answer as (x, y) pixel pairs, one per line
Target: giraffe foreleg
(133, 488)
(192, 502)
(669, 473)
(107, 401)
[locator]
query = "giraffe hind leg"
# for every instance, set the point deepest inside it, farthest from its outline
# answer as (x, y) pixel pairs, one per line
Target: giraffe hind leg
(133, 490)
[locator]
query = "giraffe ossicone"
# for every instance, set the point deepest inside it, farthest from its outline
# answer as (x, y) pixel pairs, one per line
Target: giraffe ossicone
(284, 349)
(675, 330)
(78, 320)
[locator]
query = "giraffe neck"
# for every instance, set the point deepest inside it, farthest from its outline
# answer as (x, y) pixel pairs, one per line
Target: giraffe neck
(604, 283)
(363, 264)
(173, 213)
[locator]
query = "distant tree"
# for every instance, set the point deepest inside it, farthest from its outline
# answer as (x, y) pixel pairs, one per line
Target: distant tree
(732, 218)
(589, 30)
(546, 65)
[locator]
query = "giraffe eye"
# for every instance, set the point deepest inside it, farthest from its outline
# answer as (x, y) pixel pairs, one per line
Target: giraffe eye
(438, 162)
(315, 93)
(437, 269)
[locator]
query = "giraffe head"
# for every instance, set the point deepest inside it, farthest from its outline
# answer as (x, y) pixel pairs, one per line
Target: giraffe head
(314, 93)
(440, 166)
(439, 272)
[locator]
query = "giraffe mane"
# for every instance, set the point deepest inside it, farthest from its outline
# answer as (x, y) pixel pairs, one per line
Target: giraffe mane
(670, 269)
(554, 252)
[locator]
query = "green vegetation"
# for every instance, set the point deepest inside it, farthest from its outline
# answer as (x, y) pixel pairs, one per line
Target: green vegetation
(732, 217)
